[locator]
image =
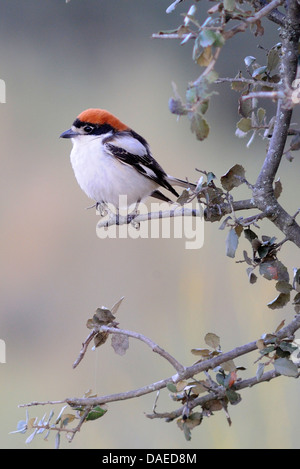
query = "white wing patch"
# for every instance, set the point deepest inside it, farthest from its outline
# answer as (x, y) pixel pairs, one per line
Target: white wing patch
(129, 144)
(151, 174)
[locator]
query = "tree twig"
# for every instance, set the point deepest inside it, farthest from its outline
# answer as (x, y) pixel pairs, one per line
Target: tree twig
(247, 81)
(178, 211)
(189, 372)
(155, 348)
(202, 400)
(84, 348)
(275, 15)
(274, 95)
(265, 11)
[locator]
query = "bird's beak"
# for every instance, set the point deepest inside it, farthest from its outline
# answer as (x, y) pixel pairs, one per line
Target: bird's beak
(69, 134)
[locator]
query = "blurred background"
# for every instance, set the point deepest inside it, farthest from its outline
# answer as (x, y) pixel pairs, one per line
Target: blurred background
(58, 59)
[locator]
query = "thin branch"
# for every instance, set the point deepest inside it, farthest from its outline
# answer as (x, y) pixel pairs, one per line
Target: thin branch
(275, 15)
(172, 36)
(202, 400)
(178, 211)
(265, 11)
(189, 372)
(217, 211)
(81, 422)
(253, 219)
(264, 95)
(247, 81)
(269, 10)
(84, 348)
(155, 348)
(71, 432)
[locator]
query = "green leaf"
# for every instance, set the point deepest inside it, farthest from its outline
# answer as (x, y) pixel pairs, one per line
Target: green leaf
(267, 350)
(261, 112)
(286, 367)
(191, 95)
(273, 58)
(203, 352)
(229, 5)
(207, 37)
(186, 432)
(250, 235)
(233, 177)
(252, 277)
(245, 124)
(203, 106)
(199, 126)
(229, 366)
(260, 371)
(282, 353)
(283, 287)
(219, 41)
(259, 72)
(103, 316)
(297, 299)
(287, 347)
(233, 397)
(66, 419)
(211, 77)
(220, 378)
(96, 413)
(100, 338)
(280, 301)
(203, 57)
(171, 387)
(212, 340)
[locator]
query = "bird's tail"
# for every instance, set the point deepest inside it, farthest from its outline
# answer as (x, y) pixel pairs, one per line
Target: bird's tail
(172, 182)
(180, 182)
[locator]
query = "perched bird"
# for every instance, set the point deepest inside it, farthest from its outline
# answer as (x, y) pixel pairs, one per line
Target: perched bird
(110, 160)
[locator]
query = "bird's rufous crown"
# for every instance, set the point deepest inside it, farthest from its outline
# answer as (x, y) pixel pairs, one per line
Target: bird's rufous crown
(100, 117)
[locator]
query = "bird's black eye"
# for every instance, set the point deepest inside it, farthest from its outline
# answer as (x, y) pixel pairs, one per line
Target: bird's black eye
(88, 129)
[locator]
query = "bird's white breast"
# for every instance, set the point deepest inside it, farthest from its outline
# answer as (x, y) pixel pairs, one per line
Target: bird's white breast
(103, 177)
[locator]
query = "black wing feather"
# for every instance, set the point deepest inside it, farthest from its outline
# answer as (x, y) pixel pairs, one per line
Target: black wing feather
(140, 162)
